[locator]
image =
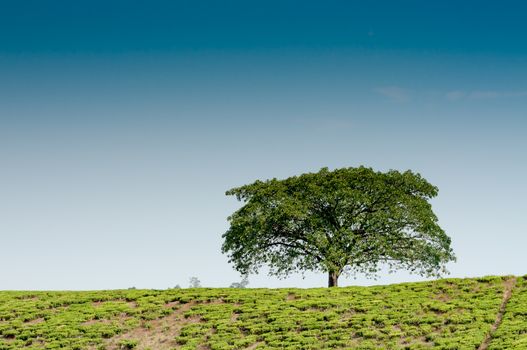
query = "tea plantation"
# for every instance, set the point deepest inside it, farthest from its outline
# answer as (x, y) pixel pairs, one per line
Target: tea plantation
(442, 314)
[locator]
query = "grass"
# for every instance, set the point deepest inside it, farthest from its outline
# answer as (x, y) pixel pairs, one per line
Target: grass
(442, 314)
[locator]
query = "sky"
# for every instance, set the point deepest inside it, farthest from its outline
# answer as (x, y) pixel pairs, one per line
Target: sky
(123, 123)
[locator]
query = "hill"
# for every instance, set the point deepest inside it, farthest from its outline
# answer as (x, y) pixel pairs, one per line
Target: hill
(479, 313)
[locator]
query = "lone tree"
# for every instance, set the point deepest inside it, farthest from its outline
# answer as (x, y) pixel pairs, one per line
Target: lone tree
(350, 220)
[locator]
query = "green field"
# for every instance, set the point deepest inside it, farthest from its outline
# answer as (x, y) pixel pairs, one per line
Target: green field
(442, 314)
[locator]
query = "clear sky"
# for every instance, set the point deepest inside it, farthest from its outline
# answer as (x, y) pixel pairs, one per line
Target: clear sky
(123, 123)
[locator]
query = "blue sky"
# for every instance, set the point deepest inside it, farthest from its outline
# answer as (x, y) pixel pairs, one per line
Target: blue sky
(122, 124)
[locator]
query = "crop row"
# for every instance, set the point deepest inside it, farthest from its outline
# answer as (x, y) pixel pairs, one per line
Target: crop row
(512, 332)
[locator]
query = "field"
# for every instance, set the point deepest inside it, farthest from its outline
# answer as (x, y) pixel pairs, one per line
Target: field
(443, 314)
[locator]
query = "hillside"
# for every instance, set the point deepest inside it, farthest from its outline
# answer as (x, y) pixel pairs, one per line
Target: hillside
(443, 314)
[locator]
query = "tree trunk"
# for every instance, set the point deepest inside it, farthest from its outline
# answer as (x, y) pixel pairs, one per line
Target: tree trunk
(333, 279)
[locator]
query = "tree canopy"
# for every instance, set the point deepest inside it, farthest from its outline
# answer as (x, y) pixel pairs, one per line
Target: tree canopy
(345, 221)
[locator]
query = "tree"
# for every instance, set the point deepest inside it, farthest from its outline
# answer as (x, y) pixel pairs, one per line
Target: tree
(346, 221)
(194, 282)
(242, 284)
